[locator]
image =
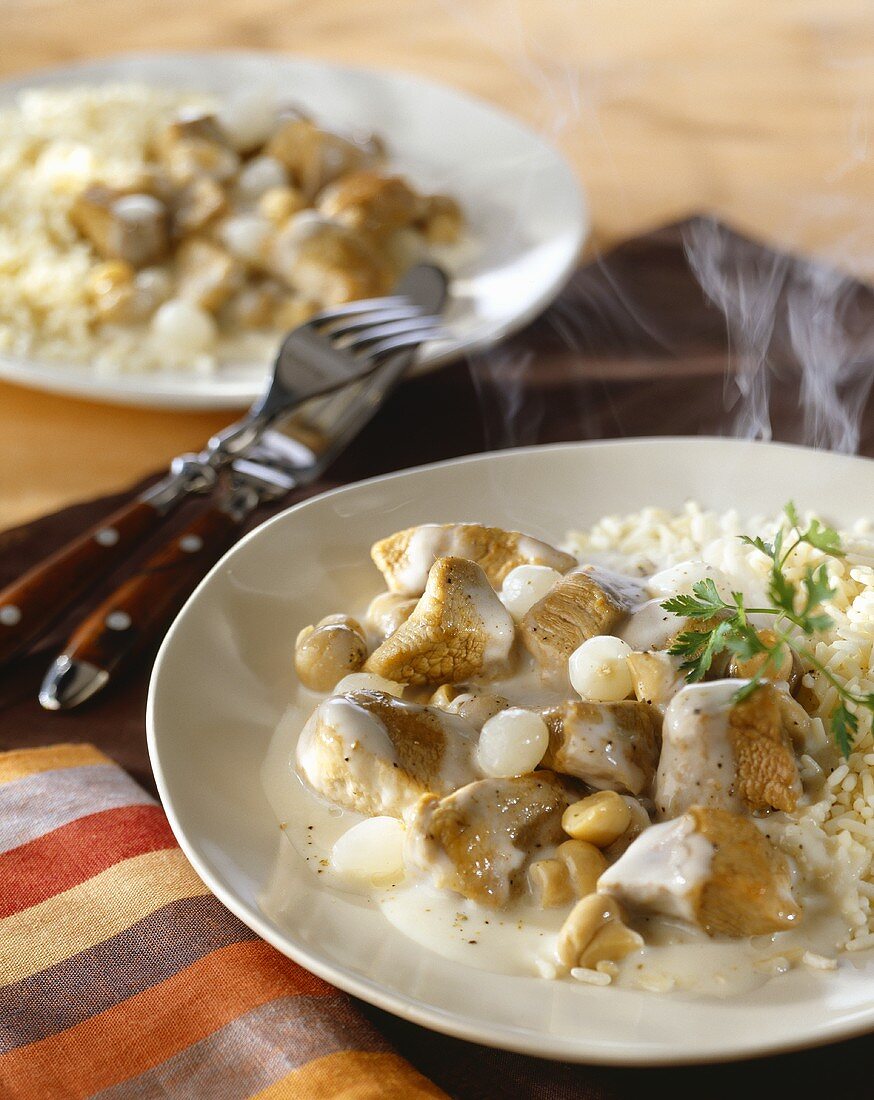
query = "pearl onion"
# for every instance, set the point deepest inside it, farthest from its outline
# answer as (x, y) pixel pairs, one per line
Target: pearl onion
(260, 175)
(184, 326)
(512, 743)
(525, 585)
(248, 118)
(245, 236)
(370, 849)
(368, 681)
(599, 670)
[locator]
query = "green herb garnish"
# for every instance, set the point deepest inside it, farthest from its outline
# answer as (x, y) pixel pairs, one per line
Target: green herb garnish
(725, 628)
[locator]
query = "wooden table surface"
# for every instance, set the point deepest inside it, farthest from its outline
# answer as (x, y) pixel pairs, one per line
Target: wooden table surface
(761, 112)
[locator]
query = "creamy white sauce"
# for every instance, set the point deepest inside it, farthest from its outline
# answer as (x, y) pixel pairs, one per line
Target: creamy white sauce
(509, 942)
(497, 623)
(697, 765)
(356, 727)
(682, 577)
(650, 626)
(521, 939)
(425, 546)
(628, 592)
(665, 869)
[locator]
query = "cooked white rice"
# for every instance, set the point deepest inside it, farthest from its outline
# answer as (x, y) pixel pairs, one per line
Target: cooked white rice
(833, 838)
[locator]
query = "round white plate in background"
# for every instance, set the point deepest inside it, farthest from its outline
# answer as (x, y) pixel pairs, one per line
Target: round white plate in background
(527, 215)
(223, 679)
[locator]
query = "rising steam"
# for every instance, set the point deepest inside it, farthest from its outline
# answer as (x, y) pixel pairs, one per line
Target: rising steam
(796, 330)
(799, 321)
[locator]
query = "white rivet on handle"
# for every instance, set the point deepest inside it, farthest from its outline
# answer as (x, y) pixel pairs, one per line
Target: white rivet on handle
(106, 536)
(190, 543)
(10, 615)
(118, 620)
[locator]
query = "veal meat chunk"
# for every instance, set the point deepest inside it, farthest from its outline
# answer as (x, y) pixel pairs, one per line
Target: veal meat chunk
(479, 840)
(375, 754)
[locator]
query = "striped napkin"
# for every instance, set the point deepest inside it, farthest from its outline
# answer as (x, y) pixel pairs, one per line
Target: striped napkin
(122, 976)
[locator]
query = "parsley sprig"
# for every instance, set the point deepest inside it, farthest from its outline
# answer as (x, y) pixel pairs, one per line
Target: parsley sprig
(723, 625)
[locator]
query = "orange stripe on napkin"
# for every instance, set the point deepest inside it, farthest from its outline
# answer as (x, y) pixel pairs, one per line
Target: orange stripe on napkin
(152, 1026)
(91, 912)
(353, 1075)
(77, 851)
(19, 763)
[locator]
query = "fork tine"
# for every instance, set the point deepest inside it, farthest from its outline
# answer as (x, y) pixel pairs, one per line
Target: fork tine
(365, 305)
(361, 321)
(426, 327)
(403, 340)
(370, 333)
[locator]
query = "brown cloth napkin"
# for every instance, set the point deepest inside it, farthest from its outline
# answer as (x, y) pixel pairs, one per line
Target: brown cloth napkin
(634, 346)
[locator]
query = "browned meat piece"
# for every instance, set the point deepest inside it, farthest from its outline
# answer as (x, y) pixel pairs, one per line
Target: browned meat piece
(327, 262)
(278, 204)
(197, 204)
(480, 840)
(459, 629)
(113, 290)
(405, 557)
(124, 296)
(721, 753)
(207, 275)
(313, 157)
(611, 746)
(372, 202)
(369, 752)
(708, 867)
(121, 226)
(194, 145)
(581, 605)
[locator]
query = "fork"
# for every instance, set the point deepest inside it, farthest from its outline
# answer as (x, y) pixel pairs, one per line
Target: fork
(325, 354)
(127, 621)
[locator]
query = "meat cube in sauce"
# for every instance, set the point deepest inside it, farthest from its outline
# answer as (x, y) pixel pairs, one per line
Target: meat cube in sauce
(480, 840)
(584, 603)
(710, 868)
(122, 226)
(405, 557)
(370, 752)
(459, 629)
(611, 746)
(721, 752)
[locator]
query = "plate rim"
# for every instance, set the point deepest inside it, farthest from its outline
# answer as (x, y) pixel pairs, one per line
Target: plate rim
(122, 390)
(413, 1009)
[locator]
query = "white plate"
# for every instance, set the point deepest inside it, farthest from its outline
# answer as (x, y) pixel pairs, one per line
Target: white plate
(222, 680)
(526, 211)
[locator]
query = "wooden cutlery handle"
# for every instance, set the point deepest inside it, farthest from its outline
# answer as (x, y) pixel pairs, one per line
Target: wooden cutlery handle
(33, 603)
(137, 612)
